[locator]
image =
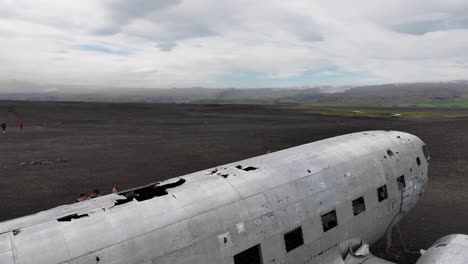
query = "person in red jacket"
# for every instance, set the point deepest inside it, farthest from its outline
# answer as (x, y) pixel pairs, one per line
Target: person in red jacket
(21, 124)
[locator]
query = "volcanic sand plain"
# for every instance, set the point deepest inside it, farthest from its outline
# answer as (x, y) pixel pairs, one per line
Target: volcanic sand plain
(67, 147)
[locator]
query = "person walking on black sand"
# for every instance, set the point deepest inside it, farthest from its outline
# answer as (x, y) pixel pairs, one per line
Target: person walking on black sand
(21, 124)
(3, 127)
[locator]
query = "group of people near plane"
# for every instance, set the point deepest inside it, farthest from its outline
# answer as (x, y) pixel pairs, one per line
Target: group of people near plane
(20, 124)
(95, 193)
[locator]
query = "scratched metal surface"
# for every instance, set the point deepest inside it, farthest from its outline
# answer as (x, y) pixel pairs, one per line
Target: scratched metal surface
(219, 212)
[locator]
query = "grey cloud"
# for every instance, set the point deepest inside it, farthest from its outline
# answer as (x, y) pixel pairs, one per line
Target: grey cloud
(5, 34)
(171, 30)
(7, 11)
(178, 31)
(166, 46)
(312, 36)
(123, 12)
(305, 28)
(423, 27)
(145, 70)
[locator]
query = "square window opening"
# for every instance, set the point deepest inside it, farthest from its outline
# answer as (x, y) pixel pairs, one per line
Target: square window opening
(329, 221)
(252, 255)
(293, 239)
(401, 183)
(382, 193)
(358, 205)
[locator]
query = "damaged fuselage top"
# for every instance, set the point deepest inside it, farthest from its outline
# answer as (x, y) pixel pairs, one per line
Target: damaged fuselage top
(293, 204)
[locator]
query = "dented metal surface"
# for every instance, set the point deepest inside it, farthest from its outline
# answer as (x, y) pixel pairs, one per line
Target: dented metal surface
(213, 215)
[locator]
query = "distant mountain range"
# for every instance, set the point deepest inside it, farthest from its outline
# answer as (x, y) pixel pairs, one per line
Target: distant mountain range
(450, 94)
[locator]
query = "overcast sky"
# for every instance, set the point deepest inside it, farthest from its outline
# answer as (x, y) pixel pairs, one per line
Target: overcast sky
(241, 43)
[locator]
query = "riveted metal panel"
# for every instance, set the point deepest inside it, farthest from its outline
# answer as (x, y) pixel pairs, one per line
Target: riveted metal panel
(312, 250)
(227, 261)
(142, 249)
(161, 211)
(199, 197)
(7, 258)
(295, 191)
(45, 216)
(228, 216)
(175, 236)
(247, 183)
(344, 210)
(43, 243)
(293, 215)
(257, 230)
(128, 223)
(297, 255)
(273, 249)
(326, 201)
(206, 251)
(87, 234)
(331, 256)
(312, 229)
(5, 243)
(330, 238)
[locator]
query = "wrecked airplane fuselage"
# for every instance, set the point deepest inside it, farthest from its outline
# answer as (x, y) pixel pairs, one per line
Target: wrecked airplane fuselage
(307, 204)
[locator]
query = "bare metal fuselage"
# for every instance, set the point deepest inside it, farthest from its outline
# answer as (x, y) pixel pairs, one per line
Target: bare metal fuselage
(214, 216)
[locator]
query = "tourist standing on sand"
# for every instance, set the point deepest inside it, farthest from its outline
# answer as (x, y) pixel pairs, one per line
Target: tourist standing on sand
(3, 127)
(21, 124)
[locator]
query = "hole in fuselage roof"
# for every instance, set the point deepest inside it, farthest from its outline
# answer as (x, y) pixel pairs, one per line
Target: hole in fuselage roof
(148, 192)
(68, 218)
(249, 168)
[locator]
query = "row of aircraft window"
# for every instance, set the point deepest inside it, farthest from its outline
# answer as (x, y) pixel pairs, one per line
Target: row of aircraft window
(294, 238)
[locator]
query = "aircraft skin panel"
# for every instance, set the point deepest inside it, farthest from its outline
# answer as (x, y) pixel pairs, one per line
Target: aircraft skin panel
(451, 249)
(330, 256)
(6, 251)
(199, 197)
(235, 214)
(211, 215)
(49, 244)
(274, 248)
(45, 216)
(5, 243)
(7, 258)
